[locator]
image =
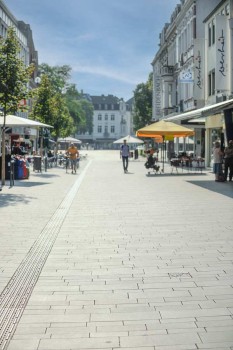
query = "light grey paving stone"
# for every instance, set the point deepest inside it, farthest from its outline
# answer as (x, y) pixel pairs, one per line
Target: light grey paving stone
(215, 346)
(172, 325)
(31, 329)
(209, 323)
(55, 318)
(137, 348)
(26, 344)
(133, 316)
(195, 313)
(172, 339)
(217, 337)
(84, 343)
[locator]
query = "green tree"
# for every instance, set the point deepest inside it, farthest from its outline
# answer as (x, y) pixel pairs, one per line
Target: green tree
(50, 107)
(80, 109)
(58, 75)
(88, 109)
(42, 109)
(63, 124)
(143, 103)
(14, 78)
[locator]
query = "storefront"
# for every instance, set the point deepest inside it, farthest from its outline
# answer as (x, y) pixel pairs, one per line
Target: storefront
(218, 125)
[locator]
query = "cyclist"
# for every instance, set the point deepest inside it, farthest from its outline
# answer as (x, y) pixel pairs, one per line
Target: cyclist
(73, 153)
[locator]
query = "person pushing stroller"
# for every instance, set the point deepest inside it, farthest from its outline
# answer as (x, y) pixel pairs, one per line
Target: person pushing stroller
(151, 160)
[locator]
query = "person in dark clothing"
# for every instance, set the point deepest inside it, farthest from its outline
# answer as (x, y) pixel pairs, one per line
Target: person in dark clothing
(125, 156)
(229, 160)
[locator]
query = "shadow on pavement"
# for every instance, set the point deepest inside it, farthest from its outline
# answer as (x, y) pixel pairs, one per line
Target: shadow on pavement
(13, 199)
(174, 174)
(224, 188)
(26, 183)
(45, 175)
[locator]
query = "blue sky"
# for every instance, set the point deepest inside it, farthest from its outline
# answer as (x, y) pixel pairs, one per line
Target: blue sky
(109, 44)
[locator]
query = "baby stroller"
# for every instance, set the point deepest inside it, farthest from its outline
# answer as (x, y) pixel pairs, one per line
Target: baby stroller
(150, 164)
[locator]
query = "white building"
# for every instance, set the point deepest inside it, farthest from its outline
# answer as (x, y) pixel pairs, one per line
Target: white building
(112, 119)
(189, 66)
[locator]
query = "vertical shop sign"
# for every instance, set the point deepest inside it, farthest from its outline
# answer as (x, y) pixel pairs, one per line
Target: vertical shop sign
(157, 83)
(222, 71)
(199, 69)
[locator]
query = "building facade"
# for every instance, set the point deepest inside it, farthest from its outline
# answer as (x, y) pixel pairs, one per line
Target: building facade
(193, 67)
(27, 53)
(112, 119)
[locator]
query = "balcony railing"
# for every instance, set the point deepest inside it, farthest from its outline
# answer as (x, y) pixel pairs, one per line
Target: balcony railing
(167, 70)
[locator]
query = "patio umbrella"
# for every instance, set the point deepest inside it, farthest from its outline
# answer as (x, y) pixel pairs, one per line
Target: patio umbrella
(13, 120)
(129, 139)
(164, 128)
(68, 139)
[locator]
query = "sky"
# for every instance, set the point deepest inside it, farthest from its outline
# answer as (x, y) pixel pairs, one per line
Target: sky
(109, 44)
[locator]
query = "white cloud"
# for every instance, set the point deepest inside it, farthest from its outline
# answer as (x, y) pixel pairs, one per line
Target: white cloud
(105, 72)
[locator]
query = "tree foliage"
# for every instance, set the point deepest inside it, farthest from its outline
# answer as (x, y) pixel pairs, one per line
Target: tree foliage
(59, 103)
(14, 78)
(14, 75)
(49, 107)
(143, 103)
(58, 75)
(80, 109)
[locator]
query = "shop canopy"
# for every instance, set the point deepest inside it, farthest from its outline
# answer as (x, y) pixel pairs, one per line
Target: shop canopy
(13, 120)
(203, 112)
(129, 139)
(164, 128)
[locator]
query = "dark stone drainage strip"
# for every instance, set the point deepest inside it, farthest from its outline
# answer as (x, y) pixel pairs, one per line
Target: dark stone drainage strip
(16, 294)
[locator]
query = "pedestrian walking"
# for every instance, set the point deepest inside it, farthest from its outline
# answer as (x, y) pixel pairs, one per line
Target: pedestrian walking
(73, 154)
(217, 157)
(125, 156)
(228, 160)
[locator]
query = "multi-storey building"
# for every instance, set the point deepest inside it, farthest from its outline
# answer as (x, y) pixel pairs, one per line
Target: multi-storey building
(112, 120)
(27, 53)
(193, 67)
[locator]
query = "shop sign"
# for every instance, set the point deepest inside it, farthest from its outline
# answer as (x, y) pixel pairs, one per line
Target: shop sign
(199, 69)
(222, 71)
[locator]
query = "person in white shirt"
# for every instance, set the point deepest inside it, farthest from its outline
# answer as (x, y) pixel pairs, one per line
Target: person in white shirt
(125, 156)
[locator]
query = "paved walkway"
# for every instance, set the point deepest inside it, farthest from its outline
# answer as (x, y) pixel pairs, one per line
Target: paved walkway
(107, 260)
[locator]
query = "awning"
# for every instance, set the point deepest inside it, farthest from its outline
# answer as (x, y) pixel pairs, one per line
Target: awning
(203, 112)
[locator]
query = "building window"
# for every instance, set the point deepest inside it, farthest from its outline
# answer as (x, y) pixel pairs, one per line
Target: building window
(99, 106)
(227, 9)
(99, 117)
(106, 129)
(112, 117)
(169, 95)
(112, 129)
(99, 129)
(209, 84)
(105, 106)
(213, 81)
(209, 34)
(213, 33)
(106, 117)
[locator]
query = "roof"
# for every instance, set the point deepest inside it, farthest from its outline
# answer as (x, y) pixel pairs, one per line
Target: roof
(102, 99)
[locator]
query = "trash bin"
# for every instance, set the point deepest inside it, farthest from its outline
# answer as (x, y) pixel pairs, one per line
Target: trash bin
(136, 154)
(131, 154)
(37, 163)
